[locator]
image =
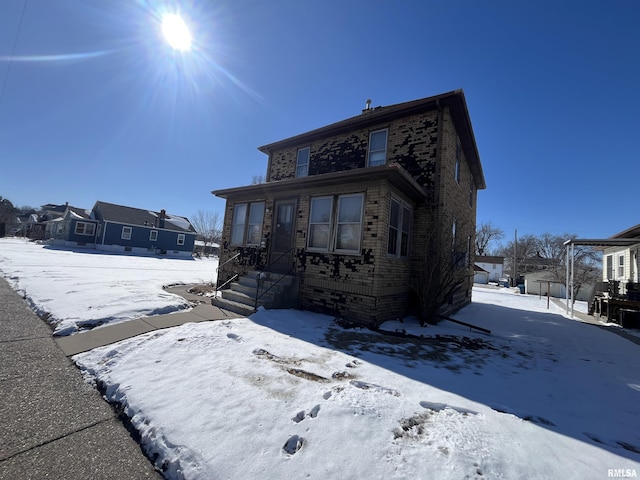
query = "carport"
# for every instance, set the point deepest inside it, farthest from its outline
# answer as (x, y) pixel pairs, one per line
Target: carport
(587, 242)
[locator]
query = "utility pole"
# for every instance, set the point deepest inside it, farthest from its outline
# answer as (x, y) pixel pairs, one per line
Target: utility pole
(515, 258)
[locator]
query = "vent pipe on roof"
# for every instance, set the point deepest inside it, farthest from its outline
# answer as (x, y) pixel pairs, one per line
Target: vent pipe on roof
(367, 108)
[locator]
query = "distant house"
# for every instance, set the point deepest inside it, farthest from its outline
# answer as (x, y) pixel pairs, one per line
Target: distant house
(480, 275)
(124, 229)
(492, 265)
(363, 215)
(620, 262)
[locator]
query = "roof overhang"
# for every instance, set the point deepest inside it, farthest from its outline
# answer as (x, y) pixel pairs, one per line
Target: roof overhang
(393, 173)
(603, 242)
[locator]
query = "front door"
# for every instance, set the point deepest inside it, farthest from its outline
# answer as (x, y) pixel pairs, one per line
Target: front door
(281, 252)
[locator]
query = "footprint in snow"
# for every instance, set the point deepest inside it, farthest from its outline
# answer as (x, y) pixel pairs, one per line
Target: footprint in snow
(374, 387)
(301, 415)
(235, 337)
(293, 444)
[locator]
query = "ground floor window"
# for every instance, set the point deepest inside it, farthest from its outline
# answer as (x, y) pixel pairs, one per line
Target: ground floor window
(85, 228)
(246, 224)
(181, 239)
(399, 228)
(126, 233)
(335, 223)
(153, 235)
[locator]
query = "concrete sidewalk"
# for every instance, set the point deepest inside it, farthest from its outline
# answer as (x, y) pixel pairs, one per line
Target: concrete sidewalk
(53, 424)
(100, 336)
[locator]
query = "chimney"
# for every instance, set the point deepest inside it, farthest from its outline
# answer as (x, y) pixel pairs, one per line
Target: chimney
(367, 108)
(162, 216)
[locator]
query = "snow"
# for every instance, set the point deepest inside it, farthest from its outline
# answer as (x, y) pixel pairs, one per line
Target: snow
(290, 394)
(81, 288)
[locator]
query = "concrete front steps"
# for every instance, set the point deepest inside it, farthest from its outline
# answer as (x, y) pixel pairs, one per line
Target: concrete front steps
(275, 291)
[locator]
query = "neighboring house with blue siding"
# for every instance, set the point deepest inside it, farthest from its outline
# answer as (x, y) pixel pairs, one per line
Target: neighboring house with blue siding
(74, 228)
(119, 228)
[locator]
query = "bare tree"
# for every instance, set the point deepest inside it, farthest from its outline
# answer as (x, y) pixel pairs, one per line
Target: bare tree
(256, 179)
(207, 224)
(486, 233)
(441, 270)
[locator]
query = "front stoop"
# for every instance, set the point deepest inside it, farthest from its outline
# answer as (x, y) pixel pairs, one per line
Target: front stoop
(276, 291)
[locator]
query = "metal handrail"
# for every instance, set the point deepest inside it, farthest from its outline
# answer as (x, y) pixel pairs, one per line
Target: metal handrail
(219, 287)
(258, 278)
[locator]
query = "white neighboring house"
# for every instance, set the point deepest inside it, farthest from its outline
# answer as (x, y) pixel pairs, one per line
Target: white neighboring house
(480, 275)
(492, 265)
(621, 262)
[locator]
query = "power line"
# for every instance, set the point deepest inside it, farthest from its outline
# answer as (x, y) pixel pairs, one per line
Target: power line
(13, 52)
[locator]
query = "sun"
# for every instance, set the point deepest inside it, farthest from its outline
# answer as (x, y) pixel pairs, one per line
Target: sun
(176, 32)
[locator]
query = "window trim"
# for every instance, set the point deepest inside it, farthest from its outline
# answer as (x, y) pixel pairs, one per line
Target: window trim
(305, 165)
(245, 223)
(152, 237)
(369, 151)
(84, 228)
(334, 223)
(126, 233)
(181, 238)
(621, 265)
(400, 229)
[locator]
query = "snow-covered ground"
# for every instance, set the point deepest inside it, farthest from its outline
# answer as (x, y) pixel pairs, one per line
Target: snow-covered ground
(290, 394)
(81, 288)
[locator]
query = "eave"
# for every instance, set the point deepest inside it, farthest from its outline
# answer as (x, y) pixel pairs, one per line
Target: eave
(394, 174)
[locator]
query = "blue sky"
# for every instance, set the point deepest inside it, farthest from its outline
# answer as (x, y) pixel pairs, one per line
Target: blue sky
(96, 106)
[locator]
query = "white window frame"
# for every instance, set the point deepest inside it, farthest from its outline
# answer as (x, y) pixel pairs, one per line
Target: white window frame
(153, 236)
(335, 223)
(621, 265)
(84, 229)
(181, 238)
(126, 233)
(376, 163)
(302, 164)
(326, 224)
(402, 229)
(244, 224)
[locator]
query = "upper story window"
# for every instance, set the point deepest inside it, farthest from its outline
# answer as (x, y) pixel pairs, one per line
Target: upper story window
(399, 229)
(302, 163)
(246, 225)
(458, 160)
(126, 233)
(85, 228)
(377, 148)
(609, 266)
(335, 223)
(153, 235)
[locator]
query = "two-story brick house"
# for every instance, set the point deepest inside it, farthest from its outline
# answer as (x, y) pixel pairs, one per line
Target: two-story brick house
(356, 212)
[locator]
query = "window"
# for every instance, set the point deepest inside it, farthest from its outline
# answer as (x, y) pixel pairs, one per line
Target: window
(246, 224)
(458, 160)
(349, 223)
(399, 228)
(84, 228)
(336, 225)
(377, 148)
(320, 223)
(153, 235)
(181, 239)
(621, 266)
(302, 164)
(126, 233)
(609, 262)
